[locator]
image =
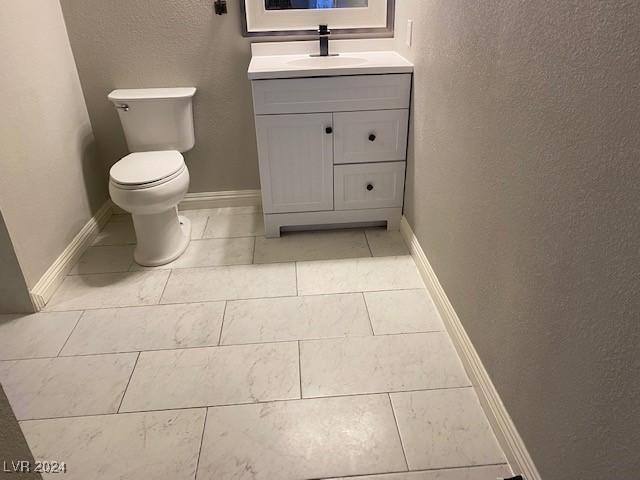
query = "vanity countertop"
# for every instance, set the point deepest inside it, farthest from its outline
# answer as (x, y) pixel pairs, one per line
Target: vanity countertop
(303, 65)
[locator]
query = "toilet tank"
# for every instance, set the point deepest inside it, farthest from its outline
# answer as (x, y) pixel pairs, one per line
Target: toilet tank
(156, 118)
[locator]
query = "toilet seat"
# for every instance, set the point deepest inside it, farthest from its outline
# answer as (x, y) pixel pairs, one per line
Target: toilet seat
(147, 169)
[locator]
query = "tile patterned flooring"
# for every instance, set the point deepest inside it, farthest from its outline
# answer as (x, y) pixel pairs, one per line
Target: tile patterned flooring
(313, 356)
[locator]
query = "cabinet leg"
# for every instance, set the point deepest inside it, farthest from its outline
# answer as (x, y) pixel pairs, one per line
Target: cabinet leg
(393, 223)
(271, 228)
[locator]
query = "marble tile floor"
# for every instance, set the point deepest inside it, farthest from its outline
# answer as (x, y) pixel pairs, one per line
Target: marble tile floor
(313, 356)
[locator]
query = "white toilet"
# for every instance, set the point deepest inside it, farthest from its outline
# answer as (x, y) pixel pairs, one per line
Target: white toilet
(149, 183)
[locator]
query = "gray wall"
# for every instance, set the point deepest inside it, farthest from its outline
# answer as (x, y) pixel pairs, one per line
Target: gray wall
(523, 192)
(13, 446)
(14, 294)
(166, 43)
(50, 179)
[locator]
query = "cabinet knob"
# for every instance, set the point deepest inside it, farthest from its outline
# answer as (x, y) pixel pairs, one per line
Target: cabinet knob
(369, 187)
(372, 137)
(329, 130)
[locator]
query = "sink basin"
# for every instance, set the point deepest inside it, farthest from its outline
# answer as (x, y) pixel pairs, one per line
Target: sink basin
(327, 62)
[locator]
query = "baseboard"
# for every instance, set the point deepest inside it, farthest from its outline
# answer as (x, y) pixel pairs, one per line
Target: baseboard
(43, 290)
(232, 198)
(503, 427)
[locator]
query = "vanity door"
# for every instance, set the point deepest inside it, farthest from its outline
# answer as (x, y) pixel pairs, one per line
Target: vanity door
(295, 153)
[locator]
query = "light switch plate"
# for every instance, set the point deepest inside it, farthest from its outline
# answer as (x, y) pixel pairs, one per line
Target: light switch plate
(409, 39)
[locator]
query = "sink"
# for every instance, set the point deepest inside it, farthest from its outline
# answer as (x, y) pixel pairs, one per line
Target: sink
(327, 62)
(267, 66)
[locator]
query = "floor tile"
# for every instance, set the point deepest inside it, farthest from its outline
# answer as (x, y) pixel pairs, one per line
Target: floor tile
(107, 290)
(445, 428)
(379, 364)
(146, 328)
(402, 311)
(214, 376)
(62, 387)
(198, 222)
(104, 259)
(294, 246)
(36, 335)
(473, 473)
(301, 439)
(357, 275)
(230, 283)
(210, 253)
(386, 244)
(120, 232)
(295, 318)
(239, 225)
(154, 445)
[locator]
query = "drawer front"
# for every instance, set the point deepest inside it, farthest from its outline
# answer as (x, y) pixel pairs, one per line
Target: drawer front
(378, 136)
(331, 94)
(368, 185)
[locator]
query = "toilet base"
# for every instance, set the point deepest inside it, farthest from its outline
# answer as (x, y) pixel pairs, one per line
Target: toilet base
(161, 237)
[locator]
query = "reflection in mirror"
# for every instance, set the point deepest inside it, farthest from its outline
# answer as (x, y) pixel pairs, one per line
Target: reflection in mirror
(313, 4)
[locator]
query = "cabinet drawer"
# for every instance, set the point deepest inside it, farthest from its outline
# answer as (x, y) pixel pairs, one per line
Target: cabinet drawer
(368, 185)
(378, 136)
(331, 94)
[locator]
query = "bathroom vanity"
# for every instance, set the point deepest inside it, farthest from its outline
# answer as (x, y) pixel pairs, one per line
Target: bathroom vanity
(332, 137)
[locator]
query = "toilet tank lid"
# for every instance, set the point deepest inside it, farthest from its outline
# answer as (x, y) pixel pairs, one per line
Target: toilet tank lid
(128, 94)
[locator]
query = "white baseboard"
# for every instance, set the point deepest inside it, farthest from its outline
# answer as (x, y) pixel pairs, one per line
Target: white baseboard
(232, 198)
(43, 290)
(503, 427)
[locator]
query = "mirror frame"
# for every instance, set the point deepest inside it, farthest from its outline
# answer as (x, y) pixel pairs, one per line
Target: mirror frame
(288, 35)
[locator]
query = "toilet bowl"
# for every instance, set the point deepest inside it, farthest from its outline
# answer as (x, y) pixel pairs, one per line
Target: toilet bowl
(150, 185)
(150, 182)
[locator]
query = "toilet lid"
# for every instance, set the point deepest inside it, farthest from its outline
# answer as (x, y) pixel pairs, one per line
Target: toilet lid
(146, 167)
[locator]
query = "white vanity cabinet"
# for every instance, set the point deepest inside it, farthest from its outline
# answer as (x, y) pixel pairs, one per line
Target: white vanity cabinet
(332, 150)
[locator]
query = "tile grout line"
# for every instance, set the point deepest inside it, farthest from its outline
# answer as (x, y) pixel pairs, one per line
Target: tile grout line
(224, 314)
(366, 239)
(204, 427)
(270, 342)
(135, 364)
(206, 224)
(165, 287)
(395, 418)
(233, 299)
(253, 255)
(70, 333)
(423, 470)
(364, 299)
(295, 266)
(265, 402)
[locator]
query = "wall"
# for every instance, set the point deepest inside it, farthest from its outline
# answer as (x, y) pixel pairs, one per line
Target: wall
(14, 294)
(523, 191)
(50, 181)
(166, 43)
(13, 446)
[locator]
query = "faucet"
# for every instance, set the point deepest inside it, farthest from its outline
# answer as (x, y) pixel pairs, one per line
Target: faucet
(324, 32)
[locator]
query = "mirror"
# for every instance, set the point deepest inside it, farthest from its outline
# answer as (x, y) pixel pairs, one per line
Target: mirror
(300, 18)
(312, 4)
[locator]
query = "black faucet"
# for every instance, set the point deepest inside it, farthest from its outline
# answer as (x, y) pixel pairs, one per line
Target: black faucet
(324, 32)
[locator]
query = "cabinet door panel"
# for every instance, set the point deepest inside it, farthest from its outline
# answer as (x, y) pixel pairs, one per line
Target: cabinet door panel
(296, 162)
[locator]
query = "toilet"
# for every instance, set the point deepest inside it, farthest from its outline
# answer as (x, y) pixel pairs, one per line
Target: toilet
(151, 181)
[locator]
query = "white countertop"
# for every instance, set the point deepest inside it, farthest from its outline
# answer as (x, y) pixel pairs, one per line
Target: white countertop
(346, 63)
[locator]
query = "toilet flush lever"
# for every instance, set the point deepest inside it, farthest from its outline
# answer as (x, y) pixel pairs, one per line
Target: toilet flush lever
(123, 106)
